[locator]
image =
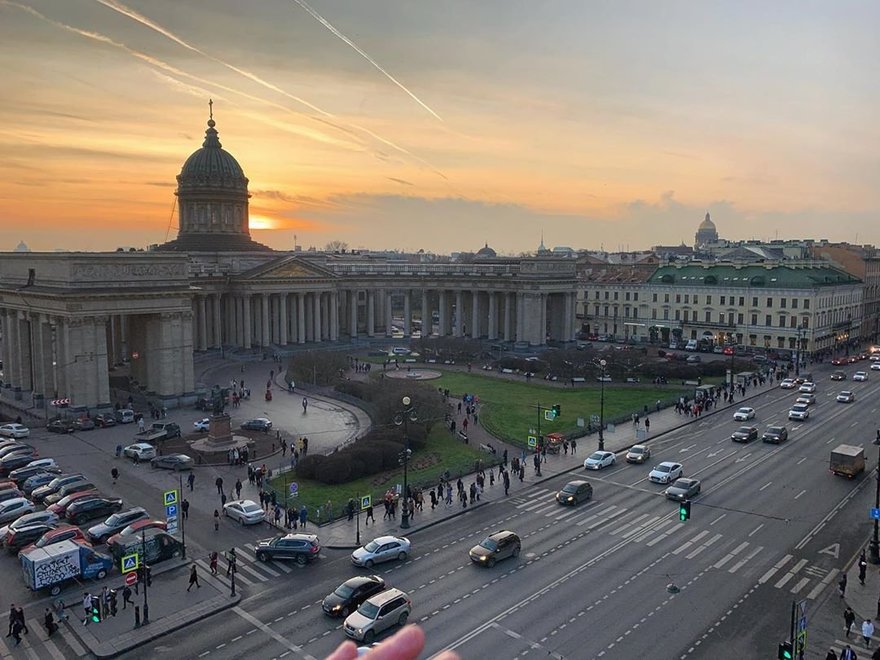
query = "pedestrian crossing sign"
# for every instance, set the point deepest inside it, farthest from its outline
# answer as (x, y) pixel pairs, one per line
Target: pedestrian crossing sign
(366, 502)
(533, 441)
(130, 563)
(170, 497)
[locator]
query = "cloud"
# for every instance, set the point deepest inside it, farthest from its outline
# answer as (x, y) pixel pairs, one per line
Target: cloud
(400, 181)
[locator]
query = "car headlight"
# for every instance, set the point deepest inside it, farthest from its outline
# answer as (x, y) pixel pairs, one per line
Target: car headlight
(570, 498)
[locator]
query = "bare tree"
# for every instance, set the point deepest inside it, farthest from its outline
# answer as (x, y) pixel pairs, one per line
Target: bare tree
(336, 246)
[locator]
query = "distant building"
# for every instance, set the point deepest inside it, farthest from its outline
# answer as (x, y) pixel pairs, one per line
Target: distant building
(22, 247)
(706, 233)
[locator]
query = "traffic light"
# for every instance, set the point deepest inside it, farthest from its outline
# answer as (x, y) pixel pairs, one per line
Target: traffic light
(95, 610)
(684, 510)
(557, 410)
(785, 651)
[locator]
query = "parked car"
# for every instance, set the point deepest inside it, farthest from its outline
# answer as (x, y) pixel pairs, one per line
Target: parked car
(683, 489)
(638, 454)
(34, 482)
(60, 426)
(104, 420)
(84, 424)
(301, 547)
(744, 414)
(15, 431)
(69, 489)
(60, 507)
(63, 532)
(246, 512)
(16, 539)
(140, 451)
(15, 508)
(124, 416)
(349, 595)
(775, 434)
(377, 614)
(383, 548)
(202, 425)
(846, 397)
(117, 522)
(258, 424)
(29, 519)
(17, 448)
(88, 509)
(136, 527)
(666, 472)
(599, 459)
(176, 462)
(39, 494)
(496, 547)
(22, 474)
(14, 461)
(745, 434)
(575, 492)
(10, 493)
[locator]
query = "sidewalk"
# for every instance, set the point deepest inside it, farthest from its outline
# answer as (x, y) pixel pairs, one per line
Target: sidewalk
(341, 534)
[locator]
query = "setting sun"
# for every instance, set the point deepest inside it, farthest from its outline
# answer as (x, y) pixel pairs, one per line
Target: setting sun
(262, 222)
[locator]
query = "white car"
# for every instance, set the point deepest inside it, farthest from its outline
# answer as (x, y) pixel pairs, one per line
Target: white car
(875, 366)
(246, 512)
(787, 384)
(846, 397)
(15, 431)
(665, 473)
(799, 412)
(744, 414)
(808, 387)
(599, 459)
(203, 424)
(141, 451)
(384, 548)
(15, 508)
(860, 375)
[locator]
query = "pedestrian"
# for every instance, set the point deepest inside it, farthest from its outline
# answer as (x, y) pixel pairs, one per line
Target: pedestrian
(841, 585)
(115, 474)
(370, 514)
(19, 615)
(13, 615)
(222, 499)
(87, 607)
(16, 631)
(647, 425)
(213, 562)
(863, 567)
(277, 513)
(238, 489)
(574, 446)
(848, 654)
(231, 558)
(868, 632)
(849, 619)
(184, 507)
(433, 496)
(193, 578)
(191, 480)
(303, 517)
(49, 622)
(126, 596)
(219, 483)
(506, 483)
(216, 520)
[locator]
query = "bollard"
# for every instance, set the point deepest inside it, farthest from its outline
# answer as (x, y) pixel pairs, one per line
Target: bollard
(137, 616)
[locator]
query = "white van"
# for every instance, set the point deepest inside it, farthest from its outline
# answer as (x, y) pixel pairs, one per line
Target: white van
(124, 416)
(691, 345)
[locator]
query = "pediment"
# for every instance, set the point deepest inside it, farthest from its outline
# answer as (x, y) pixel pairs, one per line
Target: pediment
(288, 268)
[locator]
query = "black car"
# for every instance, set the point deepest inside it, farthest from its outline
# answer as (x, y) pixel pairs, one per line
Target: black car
(90, 508)
(259, 424)
(775, 434)
(301, 547)
(77, 486)
(22, 474)
(83, 424)
(60, 426)
(19, 538)
(350, 594)
(42, 492)
(116, 523)
(104, 420)
(745, 434)
(495, 547)
(575, 492)
(15, 461)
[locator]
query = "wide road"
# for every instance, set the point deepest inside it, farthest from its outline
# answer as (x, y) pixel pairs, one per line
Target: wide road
(594, 581)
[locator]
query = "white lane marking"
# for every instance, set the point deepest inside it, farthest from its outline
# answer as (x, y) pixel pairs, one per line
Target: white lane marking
(767, 485)
(274, 635)
(791, 573)
(745, 560)
(814, 594)
(733, 553)
(803, 492)
(717, 519)
(755, 531)
(703, 546)
(772, 571)
(688, 544)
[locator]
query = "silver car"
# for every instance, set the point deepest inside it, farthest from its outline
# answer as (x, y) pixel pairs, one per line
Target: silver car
(15, 508)
(377, 614)
(384, 548)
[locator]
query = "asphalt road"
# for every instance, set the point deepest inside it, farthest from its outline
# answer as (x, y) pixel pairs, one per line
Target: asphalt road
(771, 525)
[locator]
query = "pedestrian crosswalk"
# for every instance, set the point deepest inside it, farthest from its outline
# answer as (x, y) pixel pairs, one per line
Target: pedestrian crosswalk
(250, 570)
(744, 558)
(37, 645)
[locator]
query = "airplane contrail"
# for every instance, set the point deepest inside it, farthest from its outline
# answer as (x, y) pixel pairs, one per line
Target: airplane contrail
(143, 20)
(323, 21)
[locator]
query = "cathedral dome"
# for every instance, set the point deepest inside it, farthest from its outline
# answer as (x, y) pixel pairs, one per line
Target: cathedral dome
(486, 252)
(706, 224)
(212, 166)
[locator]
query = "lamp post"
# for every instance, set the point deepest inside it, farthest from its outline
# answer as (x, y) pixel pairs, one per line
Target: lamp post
(404, 417)
(874, 545)
(797, 364)
(602, 365)
(146, 618)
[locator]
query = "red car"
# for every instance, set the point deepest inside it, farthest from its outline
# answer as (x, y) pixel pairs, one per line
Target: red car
(136, 527)
(60, 533)
(728, 350)
(61, 505)
(838, 361)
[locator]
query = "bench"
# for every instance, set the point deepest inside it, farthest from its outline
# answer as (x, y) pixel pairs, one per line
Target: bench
(507, 371)
(463, 436)
(578, 379)
(487, 448)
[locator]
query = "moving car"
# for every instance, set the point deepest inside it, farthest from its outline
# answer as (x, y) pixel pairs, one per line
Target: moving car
(140, 451)
(203, 424)
(575, 492)
(377, 614)
(860, 375)
(787, 384)
(666, 472)
(176, 462)
(599, 459)
(15, 508)
(246, 512)
(39, 494)
(349, 595)
(744, 414)
(808, 387)
(683, 489)
(875, 366)
(91, 508)
(806, 399)
(846, 397)
(14, 431)
(383, 548)
(638, 454)
(775, 434)
(838, 375)
(745, 434)
(799, 412)
(117, 522)
(496, 547)
(301, 547)
(60, 426)
(258, 424)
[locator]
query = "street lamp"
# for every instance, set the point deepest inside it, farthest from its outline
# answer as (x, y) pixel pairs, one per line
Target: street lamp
(146, 618)
(405, 416)
(874, 545)
(800, 338)
(602, 365)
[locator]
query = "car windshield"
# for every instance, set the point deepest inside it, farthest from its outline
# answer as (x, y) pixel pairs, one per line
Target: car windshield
(637, 450)
(799, 407)
(598, 456)
(368, 610)
(744, 429)
(745, 411)
(663, 468)
(775, 429)
(113, 520)
(344, 591)
(570, 488)
(489, 544)
(251, 508)
(684, 484)
(372, 546)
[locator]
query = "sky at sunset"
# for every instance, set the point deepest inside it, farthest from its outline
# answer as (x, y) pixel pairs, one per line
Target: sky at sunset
(400, 124)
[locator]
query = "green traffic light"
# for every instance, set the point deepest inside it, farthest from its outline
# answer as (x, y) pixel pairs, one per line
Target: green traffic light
(684, 510)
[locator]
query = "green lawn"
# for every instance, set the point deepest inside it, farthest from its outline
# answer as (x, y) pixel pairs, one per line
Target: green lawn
(443, 452)
(508, 408)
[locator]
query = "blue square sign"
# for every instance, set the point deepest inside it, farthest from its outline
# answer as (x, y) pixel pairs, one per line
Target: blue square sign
(171, 512)
(875, 513)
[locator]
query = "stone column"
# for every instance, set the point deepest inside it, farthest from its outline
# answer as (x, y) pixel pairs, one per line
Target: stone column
(6, 320)
(25, 353)
(186, 385)
(407, 313)
(334, 315)
(203, 323)
(568, 326)
(475, 314)
(389, 314)
(427, 319)
(442, 313)
(520, 320)
(61, 359)
(300, 318)
(12, 366)
(38, 357)
(353, 314)
(492, 330)
(75, 358)
(265, 335)
(316, 315)
(459, 314)
(246, 321)
(217, 336)
(283, 317)
(371, 311)
(542, 301)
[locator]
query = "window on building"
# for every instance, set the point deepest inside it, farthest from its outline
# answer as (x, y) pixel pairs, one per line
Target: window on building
(768, 320)
(686, 298)
(654, 297)
(597, 294)
(606, 310)
(794, 302)
(666, 297)
(626, 312)
(627, 295)
(739, 318)
(636, 296)
(615, 311)
(782, 302)
(720, 317)
(654, 314)
(754, 301)
(616, 295)
(677, 315)
(781, 321)
(742, 301)
(696, 300)
(606, 295)
(805, 322)
(665, 314)
(595, 310)
(792, 322)
(678, 297)
(709, 300)
(754, 319)
(806, 303)
(723, 299)
(769, 303)
(635, 313)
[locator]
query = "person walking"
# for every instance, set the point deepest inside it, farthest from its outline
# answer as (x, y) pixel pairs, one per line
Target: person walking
(20, 617)
(87, 607)
(868, 632)
(647, 425)
(848, 654)
(238, 489)
(231, 558)
(303, 517)
(49, 622)
(370, 514)
(219, 483)
(191, 480)
(193, 578)
(126, 596)
(841, 585)
(849, 620)
(222, 499)
(13, 615)
(16, 631)
(184, 507)
(216, 520)
(506, 483)
(433, 496)
(212, 559)
(831, 655)
(115, 474)
(863, 567)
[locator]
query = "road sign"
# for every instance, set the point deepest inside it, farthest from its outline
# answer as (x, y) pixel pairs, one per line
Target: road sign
(533, 441)
(594, 419)
(130, 563)
(294, 489)
(549, 415)
(171, 512)
(366, 502)
(131, 579)
(875, 513)
(171, 526)
(170, 497)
